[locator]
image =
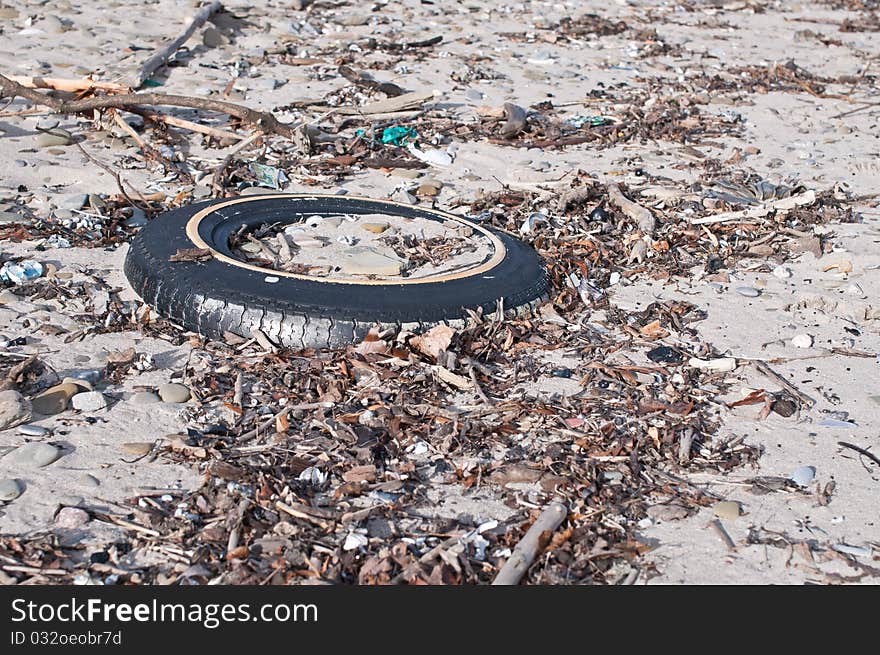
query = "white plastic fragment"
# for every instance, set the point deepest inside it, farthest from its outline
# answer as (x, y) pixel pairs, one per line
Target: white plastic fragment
(431, 157)
(720, 364)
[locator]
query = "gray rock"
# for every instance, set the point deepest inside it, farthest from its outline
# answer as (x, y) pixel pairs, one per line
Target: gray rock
(71, 201)
(474, 95)
(144, 398)
(14, 409)
(10, 490)
(55, 137)
(213, 38)
(33, 430)
(47, 123)
(91, 401)
(174, 393)
(138, 218)
(33, 455)
(368, 262)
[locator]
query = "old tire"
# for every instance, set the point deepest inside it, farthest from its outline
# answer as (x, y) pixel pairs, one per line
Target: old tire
(223, 295)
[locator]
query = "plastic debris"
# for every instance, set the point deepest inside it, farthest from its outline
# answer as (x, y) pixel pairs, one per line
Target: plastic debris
(581, 121)
(21, 272)
(398, 136)
(803, 475)
(432, 157)
(268, 176)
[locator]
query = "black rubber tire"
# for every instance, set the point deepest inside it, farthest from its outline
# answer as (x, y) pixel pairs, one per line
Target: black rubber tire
(214, 297)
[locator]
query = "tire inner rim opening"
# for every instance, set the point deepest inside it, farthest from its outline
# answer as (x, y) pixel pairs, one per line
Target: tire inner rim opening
(345, 239)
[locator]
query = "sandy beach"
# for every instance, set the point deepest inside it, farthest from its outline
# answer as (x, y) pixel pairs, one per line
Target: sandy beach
(702, 395)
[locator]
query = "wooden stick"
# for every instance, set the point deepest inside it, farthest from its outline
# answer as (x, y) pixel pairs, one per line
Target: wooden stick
(785, 384)
(69, 85)
(161, 57)
(641, 215)
(530, 546)
(216, 132)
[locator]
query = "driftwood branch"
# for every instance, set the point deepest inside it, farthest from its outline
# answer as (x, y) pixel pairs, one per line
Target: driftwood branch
(263, 121)
(69, 85)
(531, 545)
(161, 57)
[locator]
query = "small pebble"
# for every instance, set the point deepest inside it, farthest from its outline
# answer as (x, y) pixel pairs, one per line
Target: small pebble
(33, 430)
(174, 393)
(33, 455)
(375, 228)
(71, 518)
(671, 512)
(10, 490)
(91, 401)
(14, 409)
(802, 341)
(53, 138)
(782, 272)
(144, 398)
(749, 292)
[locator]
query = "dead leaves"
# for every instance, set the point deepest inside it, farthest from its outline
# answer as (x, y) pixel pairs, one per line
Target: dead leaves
(434, 342)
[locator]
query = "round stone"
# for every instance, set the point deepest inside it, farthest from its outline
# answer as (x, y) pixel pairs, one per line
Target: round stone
(10, 490)
(71, 518)
(748, 292)
(33, 430)
(144, 398)
(33, 455)
(53, 138)
(174, 393)
(14, 409)
(91, 401)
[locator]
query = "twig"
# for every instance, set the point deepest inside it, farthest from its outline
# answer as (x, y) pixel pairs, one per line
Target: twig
(860, 450)
(265, 425)
(215, 132)
(238, 396)
(477, 387)
(785, 384)
(300, 512)
(718, 527)
(161, 57)
(217, 181)
(115, 176)
(534, 541)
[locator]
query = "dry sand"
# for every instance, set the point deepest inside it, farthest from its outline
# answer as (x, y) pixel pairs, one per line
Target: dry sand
(783, 134)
